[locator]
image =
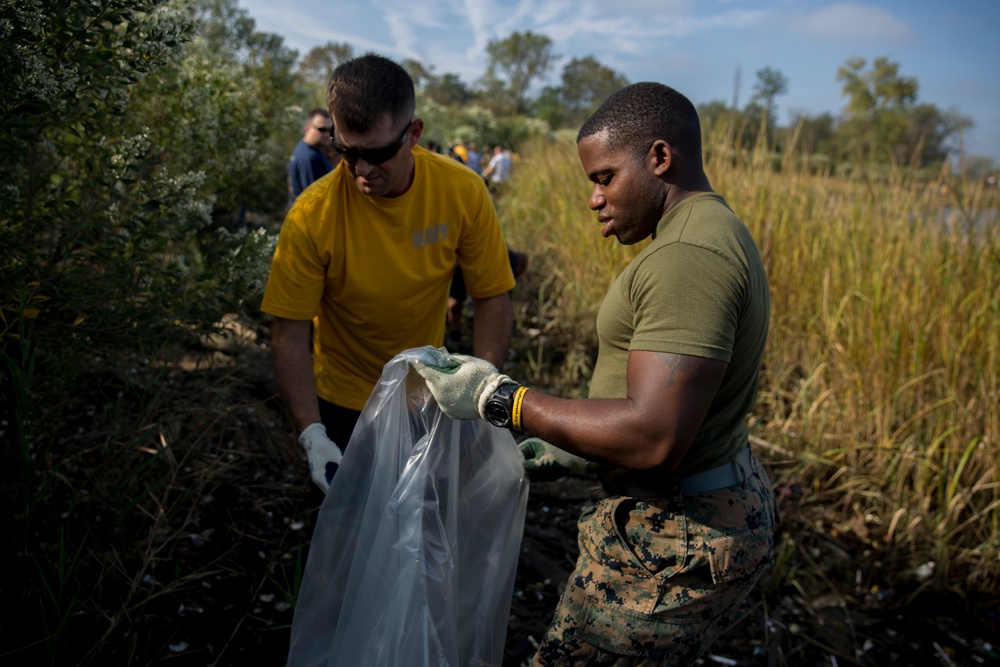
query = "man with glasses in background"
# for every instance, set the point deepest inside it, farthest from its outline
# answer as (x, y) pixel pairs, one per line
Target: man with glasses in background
(367, 255)
(309, 162)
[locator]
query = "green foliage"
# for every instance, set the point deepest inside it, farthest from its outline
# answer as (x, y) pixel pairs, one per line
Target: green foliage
(514, 131)
(444, 89)
(586, 83)
(881, 124)
(123, 130)
(251, 83)
(449, 89)
(67, 64)
(813, 134)
(770, 83)
(444, 124)
(929, 133)
(317, 66)
(878, 99)
(549, 106)
(742, 128)
(222, 116)
(514, 63)
(106, 201)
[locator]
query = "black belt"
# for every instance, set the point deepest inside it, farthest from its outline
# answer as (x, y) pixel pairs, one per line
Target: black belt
(713, 479)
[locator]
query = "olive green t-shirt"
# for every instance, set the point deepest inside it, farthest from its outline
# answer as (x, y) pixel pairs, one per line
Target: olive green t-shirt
(699, 288)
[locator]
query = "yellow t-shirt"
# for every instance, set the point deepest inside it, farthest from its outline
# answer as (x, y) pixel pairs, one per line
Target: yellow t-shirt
(373, 272)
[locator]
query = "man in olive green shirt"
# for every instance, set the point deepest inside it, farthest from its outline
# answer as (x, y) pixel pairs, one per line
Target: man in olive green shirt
(686, 524)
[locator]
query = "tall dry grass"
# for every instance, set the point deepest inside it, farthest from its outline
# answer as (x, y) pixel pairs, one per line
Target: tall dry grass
(881, 384)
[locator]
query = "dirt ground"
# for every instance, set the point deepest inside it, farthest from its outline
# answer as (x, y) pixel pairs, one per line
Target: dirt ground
(240, 616)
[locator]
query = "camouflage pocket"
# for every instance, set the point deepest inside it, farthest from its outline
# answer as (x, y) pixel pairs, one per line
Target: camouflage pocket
(627, 548)
(657, 639)
(743, 555)
(650, 533)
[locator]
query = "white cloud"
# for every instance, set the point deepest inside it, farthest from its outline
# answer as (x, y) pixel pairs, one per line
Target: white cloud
(854, 22)
(453, 34)
(304, 28)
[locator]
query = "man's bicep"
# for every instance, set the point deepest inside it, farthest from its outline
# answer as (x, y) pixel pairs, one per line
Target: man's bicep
(673, 393)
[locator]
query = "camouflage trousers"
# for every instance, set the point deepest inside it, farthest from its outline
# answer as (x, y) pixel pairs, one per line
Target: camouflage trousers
(659, 578)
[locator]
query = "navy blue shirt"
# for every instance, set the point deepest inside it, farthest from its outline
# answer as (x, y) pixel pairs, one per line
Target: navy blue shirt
(307, 164)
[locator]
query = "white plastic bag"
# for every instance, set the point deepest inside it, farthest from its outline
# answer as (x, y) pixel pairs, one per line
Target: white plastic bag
(413, 557)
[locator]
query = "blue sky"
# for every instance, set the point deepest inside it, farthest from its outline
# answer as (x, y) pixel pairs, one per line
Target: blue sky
(951, 48)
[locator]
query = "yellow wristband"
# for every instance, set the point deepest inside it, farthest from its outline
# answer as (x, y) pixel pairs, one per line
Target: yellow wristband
(515, 412)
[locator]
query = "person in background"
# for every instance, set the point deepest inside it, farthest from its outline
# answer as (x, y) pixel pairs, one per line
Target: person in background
(475, 159)
(518, 260)
(457, 296)
(498, 170)
(454, 154)
(462, 151)
(684, 526)
(331, 154)
(367, 256)
(309, 161)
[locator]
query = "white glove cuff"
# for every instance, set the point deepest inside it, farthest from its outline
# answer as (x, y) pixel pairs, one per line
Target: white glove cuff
(488, 391)
(311, 431)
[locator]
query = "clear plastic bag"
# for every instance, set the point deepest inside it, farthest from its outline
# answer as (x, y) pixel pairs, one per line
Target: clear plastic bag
(413, 557)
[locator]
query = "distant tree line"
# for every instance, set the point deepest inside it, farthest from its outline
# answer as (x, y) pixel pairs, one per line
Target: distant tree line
(881, 122)
(499, 107)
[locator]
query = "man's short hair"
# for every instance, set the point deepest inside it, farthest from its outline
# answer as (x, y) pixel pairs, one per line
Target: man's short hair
(639, 114)
(317, 112)
(364, 89)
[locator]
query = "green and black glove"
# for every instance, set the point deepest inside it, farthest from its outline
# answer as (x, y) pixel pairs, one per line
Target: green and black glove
(544, 462)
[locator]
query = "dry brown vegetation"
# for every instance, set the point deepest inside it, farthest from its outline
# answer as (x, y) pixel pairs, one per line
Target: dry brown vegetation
(882, 377)
(878, 405)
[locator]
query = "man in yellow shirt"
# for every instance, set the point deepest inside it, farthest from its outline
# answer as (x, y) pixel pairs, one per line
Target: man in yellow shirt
(366, 257)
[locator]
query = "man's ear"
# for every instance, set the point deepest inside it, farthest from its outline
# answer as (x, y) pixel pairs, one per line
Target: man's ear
(660, 157)
(416, 131)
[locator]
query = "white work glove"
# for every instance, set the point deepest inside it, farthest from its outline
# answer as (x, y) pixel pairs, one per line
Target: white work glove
(324, 455)
(544, 462)
(462, 384)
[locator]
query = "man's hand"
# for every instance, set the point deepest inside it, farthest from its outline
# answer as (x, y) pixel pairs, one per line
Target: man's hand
(462, 384)
(324, 455)
(544, 462)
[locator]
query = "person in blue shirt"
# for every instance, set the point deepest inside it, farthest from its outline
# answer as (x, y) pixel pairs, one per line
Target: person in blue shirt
(309, 161)
(475, 160)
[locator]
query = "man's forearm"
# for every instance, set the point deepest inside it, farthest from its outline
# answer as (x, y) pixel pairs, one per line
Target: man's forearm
(298, 389)
(491, 328)
(293, 373)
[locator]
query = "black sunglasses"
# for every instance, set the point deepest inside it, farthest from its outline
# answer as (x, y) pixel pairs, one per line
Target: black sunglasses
(322, 130)
(374, 155)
